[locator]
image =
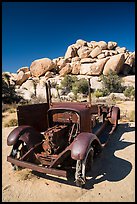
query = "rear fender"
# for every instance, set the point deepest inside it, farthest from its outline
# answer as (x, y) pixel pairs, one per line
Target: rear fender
(25, 133)
(115, 116)
(80, 145)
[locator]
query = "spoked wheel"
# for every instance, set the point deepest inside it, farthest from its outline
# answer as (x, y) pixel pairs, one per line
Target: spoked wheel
(82, 167)
(17, 152)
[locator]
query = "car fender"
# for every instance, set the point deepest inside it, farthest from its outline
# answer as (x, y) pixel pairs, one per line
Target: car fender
(25, 133)
(115, 116)
(80, 145)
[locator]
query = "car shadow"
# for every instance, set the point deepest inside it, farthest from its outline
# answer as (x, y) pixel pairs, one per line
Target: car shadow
(106, 166)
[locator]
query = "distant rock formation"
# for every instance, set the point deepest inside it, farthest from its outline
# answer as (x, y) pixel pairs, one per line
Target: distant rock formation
(85, 59)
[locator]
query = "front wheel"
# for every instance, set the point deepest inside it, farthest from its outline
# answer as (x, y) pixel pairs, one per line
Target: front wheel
(83, 166)
(17, 152)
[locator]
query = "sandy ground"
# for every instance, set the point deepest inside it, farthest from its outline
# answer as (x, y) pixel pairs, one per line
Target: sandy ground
(112, 177)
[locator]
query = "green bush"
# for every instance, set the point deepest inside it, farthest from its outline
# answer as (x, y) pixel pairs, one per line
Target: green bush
(9, 95)
(68, 81)
(98, 93)
(80, 86)
(112, 83)
(129, 91)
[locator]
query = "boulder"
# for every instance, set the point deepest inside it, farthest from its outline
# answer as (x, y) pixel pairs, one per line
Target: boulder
(71, 52)
(121, 50)
(81, 42)
(115, 63)
(25, 94)
(54, 92)
(111, 45)
(65, 70)
(89, 44)
(128, 80)
(118, 96)
(75, 67)
(101, 56)
(24, 69)
(95, 52)
(41, 66)
(22, 77)
(49, 74)
(94, 44)
(41, 89)
(93, 68)
(28, 85)
(83, 52)
(87, 60)
(102, 45)
(96, 83)
(130, 59)
(75, 59)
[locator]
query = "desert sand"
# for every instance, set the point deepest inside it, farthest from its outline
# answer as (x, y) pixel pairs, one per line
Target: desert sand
(112, 178)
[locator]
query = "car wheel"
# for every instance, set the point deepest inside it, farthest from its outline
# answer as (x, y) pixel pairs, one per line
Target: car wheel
(17, 152)
(83, 166)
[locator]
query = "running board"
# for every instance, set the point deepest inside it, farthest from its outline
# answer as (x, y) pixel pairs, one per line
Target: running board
(35, 167)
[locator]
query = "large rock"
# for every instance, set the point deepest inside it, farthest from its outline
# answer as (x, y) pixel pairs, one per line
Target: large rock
(25, 94)
(24, 69)
(95, 52)
(28, 85)
(75, 59)
(87, 60)
(121, 50)
(93, 68)
(41, 89)
(22, 77)
(102, 45)
(101, 56)
(128, 80)
(115, 63)
(83, 52)
(76, 67)
(81, 42)
(96, 83)
(71, 52)
(111, 45)
(65, 70)
(41, 66)
(130, 59)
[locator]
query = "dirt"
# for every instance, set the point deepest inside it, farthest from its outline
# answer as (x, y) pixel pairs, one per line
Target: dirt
(112, 178)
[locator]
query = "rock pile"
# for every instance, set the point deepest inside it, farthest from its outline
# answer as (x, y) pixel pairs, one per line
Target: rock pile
(88, 59)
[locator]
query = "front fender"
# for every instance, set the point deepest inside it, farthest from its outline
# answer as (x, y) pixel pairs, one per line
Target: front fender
(25, 133)
(81, 144)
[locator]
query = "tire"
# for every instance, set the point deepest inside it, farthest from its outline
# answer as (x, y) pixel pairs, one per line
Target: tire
(82, 167)
(17, 152)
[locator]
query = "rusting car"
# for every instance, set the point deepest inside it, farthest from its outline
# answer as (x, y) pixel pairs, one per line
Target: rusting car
(59, 138)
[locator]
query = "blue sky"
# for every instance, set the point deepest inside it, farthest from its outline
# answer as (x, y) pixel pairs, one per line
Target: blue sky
(33, 30)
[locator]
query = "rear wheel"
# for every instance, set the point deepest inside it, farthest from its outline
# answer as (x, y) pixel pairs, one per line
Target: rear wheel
(83, 166)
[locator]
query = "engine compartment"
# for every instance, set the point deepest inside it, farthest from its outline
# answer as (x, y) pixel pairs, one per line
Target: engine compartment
(56, 139)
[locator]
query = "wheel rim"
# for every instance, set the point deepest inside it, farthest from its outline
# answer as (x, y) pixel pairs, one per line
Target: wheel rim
(18, 152)
(81, 167)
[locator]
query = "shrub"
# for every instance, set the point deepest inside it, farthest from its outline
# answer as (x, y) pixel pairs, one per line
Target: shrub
(12, 122)
(98, 93)
(68, 81)
(8, 91)
(112, 83)
(80, 86)
(129, 91)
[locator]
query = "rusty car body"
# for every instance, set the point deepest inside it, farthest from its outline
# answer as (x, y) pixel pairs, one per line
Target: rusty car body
(59, 138)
